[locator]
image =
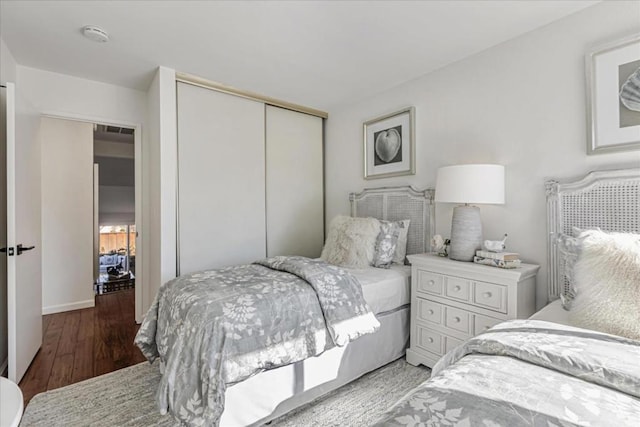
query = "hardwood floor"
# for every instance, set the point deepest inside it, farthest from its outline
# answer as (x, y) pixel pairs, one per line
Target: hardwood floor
(82, 344)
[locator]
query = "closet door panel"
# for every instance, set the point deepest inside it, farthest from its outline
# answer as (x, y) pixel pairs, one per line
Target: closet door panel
(295, 201)
(221, 173)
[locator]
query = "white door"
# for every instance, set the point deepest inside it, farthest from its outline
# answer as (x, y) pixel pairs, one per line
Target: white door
(67, 214)
(96, 222)
(3, 229)
(295, 195)
(24, 272)
(221, 196)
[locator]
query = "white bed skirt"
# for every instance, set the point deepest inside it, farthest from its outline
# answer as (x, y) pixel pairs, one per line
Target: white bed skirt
(273, 393)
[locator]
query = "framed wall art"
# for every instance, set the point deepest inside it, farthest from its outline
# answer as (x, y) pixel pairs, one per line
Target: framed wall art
(613, 96)
(389, 145)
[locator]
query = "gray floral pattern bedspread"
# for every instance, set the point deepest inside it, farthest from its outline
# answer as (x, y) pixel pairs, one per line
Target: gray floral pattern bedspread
(215, 328)
(529, 373)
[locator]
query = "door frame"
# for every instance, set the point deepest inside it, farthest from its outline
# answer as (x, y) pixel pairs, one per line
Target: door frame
(140, 227)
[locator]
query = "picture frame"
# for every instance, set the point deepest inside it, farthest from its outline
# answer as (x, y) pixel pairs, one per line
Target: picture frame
(613, 81)
(389, 145)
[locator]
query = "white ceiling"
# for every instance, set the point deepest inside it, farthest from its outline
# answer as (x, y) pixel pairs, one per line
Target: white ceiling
(315, 53)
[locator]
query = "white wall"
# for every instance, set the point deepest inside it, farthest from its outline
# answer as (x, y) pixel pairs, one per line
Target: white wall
(7, 74)
(115, 171)
(55, 93)
(7, 64)
(121, 150)
(520, 104)
(117, 205)
(67, 215)
(160, 162)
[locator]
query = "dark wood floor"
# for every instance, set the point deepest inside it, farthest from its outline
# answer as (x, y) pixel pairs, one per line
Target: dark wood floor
(82, 344)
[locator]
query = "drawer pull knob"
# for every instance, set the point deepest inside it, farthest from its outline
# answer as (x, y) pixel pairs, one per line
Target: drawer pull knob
(457, 288)
(487, 295)
(431, 282)
(430, 312)
(456, 319)
(430, 340)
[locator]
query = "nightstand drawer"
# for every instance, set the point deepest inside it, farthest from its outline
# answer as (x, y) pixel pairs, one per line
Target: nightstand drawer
(457, 288)
(457, 319)
(429, 311)
(482, 323)
(429, 340)
(491, 296)
(430, 283)
(450, 343)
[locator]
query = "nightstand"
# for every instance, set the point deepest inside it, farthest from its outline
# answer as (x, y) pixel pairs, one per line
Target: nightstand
(452, 301)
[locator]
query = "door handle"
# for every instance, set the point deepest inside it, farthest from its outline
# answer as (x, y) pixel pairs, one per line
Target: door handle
(8, 251)
(20, 248)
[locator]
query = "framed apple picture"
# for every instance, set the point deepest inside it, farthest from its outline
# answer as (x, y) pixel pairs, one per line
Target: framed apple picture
(389, 145)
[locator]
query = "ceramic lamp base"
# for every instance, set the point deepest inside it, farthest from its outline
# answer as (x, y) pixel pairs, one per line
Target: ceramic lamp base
(466, 233)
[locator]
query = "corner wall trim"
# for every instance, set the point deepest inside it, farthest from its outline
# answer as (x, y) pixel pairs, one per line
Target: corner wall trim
(68, 307)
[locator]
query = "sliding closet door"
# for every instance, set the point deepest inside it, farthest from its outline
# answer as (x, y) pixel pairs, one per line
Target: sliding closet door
(295, 202)
(221, 202)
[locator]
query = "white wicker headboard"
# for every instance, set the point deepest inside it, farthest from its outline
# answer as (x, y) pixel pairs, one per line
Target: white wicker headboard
(609, 200)
(400, 203)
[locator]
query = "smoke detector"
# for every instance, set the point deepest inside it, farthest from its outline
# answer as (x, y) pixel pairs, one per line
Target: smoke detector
(96, 34)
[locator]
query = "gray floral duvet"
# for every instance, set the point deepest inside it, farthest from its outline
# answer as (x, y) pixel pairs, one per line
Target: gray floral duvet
(215, 328)
(529, 373)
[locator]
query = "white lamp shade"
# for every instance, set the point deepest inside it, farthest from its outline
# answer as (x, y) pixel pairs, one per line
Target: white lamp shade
(480, 184)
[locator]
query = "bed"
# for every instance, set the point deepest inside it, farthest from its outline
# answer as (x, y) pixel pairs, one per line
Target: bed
(546, 370)
(277, 390)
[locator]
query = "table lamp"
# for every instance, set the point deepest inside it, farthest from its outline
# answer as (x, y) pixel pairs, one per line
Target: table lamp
(468, 184)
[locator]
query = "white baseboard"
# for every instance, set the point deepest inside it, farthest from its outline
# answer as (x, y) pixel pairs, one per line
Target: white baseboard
(4, 365)
(68, 307)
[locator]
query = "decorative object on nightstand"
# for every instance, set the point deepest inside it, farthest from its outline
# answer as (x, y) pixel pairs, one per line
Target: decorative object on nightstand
(497, 259)
(453, 301)
(504, 256)
(481, 184)
(496, 245)
(496, 262)
(439, 245)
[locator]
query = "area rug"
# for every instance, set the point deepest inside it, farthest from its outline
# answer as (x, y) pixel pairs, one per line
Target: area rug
(126, 398)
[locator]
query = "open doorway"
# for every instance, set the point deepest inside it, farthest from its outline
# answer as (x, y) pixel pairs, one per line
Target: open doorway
(116, 258)
(114, 209)
(91, 177)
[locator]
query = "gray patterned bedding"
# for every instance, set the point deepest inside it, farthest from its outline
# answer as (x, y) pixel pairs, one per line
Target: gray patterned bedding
(215, 328)
(529, 373)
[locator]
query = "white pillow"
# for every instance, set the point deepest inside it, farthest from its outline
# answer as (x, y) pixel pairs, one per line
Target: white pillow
(401, 245)
(351, 241)
(607, 282)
